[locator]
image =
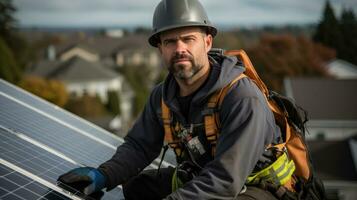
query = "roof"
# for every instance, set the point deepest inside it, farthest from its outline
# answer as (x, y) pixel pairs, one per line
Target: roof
(43, 68)
(83, 46)
(334, 160)
(134, 42)
(77, 69)
(107, 46)
(74, 70)
(342, 69)
(324, 99)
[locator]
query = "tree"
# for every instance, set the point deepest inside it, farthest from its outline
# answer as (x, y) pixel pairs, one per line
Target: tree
(348, 27)
(51, 90)
(86, 106)
(328, 30)
(9, 70)
(113, 104)
(7, 21)
(278, 56)
(15, 43)
(338, 34)
(227, 40)
(137, 77)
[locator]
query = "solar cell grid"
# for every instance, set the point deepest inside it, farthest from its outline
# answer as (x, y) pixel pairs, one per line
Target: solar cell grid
(38, 162)
(32, 158)
(14, 185)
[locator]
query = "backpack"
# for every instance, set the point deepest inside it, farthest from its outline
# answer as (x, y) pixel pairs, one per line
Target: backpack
(299, 181)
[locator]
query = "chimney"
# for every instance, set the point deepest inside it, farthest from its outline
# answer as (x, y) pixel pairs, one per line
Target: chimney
(51, 53)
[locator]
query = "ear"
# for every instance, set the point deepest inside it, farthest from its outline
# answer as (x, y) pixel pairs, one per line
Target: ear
(159, 48)
(208, 42)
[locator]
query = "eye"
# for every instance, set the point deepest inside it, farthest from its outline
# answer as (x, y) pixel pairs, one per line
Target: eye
(169, 42)
(188, 39)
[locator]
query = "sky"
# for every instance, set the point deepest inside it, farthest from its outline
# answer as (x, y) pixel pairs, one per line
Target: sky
(131, 13)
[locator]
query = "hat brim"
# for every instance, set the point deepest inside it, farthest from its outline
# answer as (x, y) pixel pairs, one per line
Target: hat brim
(154, 38)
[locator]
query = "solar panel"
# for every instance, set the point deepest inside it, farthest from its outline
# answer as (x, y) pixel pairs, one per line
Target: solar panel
(58, 113)
(40, 141)
(45, 141)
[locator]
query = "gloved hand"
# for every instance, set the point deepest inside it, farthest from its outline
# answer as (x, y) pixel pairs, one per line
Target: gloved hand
(85, 179)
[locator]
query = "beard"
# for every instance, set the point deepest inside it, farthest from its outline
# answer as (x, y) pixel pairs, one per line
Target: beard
(185, 70)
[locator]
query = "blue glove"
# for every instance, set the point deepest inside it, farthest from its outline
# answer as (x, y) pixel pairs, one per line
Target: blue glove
(85, 179)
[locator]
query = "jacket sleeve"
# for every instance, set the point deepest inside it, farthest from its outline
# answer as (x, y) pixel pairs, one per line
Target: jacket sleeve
(247, 127)
(142, 145)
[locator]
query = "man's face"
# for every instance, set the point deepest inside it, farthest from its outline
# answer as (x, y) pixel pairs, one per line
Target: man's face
(184, 51)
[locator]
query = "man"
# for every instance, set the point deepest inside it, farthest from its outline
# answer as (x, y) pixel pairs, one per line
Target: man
(184, 35)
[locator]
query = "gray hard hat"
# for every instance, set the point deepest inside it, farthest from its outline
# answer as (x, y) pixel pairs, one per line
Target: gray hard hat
(171, 14)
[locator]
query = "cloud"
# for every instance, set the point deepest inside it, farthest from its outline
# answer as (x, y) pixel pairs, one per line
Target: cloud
(139, 12)
(83, 5)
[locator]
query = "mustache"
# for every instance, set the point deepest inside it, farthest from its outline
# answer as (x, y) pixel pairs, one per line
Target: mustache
(179, 56)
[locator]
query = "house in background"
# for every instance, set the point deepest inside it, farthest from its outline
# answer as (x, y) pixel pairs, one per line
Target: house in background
(331, 105)
(113, 52)
(85, 77)
(80, 76)
(105, 52)
(135, 50)
(78, 50)
(90, 65)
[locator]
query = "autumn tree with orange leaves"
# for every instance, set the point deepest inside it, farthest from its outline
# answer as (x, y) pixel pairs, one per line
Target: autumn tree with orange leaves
(279, 56)
(51, 90)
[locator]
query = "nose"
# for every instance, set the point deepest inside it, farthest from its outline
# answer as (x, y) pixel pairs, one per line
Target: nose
(181, 47)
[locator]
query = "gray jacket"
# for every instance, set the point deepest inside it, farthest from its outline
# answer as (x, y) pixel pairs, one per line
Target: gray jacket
(247, 127)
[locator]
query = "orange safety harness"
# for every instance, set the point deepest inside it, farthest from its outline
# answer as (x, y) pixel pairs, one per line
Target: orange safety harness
(293, 144)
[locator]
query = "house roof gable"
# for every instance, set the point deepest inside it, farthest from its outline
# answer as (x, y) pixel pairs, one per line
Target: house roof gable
(79, 70)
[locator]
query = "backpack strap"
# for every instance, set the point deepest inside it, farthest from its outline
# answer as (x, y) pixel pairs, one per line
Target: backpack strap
(280, 116)
(293, 142)
(211, 114)
(249, 69)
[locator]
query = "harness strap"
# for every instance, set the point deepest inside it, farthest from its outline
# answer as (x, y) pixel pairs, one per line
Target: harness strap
(166, 118)
(169, 137)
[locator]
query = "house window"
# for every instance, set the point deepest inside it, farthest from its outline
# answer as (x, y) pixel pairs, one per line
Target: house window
(136, 59)
(120, 60)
